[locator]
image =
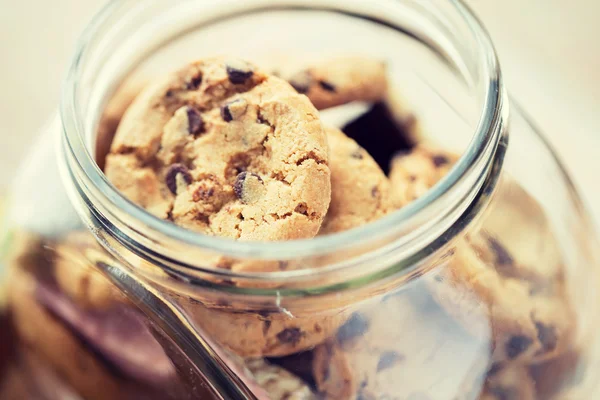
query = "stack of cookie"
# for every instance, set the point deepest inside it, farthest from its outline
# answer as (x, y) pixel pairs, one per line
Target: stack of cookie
(224, 148)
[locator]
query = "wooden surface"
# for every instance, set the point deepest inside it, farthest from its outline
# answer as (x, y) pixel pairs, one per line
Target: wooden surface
(549, 50)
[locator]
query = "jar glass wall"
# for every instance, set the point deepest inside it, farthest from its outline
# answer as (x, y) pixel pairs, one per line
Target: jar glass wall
(483, 288)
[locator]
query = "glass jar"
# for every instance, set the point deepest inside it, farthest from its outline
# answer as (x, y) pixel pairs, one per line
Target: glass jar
(482, 288)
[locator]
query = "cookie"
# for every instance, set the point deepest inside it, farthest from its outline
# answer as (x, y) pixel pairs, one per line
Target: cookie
(414, 172)
(513, 383)
(360, 191)
(392, 349)
(529, 322)
(269, 333)
(224, 149)
(277, 382)
(340, 80)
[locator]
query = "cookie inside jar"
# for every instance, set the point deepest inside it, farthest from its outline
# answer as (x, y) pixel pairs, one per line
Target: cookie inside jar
(293, 151)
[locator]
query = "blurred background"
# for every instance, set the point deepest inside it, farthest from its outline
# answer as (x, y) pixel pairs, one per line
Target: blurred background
(549, 51)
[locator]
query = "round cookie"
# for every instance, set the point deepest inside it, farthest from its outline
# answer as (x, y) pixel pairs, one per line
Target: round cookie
(360, 191)
(415, 172)
(529, 321)
(271, 333)
(224, 149)
(395, 350)
(339, 80)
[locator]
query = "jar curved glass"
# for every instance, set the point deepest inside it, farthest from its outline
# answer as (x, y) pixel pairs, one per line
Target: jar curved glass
(483, 288)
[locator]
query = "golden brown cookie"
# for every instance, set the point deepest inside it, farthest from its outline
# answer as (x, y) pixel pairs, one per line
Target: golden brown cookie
(340, 80)
(222, 148)
(393, 349)
(270, 333)
(529, 322)
(360, 191)
(414, 173)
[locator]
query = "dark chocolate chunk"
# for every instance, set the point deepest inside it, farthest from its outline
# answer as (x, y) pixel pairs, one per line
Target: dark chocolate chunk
(517, 345)
(290, 335)
(283, 265)
(388, 359)
(226, 113)
(171, 177)
(503, 257)
(195, 121)
(439, 160)
(301, 81)
(238, 72)
(504, 393)
(327, 86)
(375, 192)
(494, 369)
(379, 134)
(238, 186)
(357, 325)
(547, 336)
(194, 83)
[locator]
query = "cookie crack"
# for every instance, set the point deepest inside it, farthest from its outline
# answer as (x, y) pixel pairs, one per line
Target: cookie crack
(311, 155)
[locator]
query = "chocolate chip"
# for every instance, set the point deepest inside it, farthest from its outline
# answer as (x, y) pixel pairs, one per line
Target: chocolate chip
(290, 335)
(388, 359)
(226, 113)
(503, 257)
(195, 122)
(504, 393)
(301, 81)
(238, 72)
(357, 325)
(169, 93)
(233, 109)
(239, 187)
(440, 160)
(547, 336)
(171, 177)
(358, 154)
(327, 86)
(266, 326)
(494, 369)
(283, 265)
(375, 192)
(194, 83)
(517, 345)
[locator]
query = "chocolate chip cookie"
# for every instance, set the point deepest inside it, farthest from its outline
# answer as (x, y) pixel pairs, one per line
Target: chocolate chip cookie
(225, 149)
(360, 191)
(340, 80)
(393, 349)
(269, 333)
(414, 172)
(529, 321)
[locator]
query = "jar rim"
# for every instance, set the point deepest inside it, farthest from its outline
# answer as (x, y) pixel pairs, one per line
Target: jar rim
(485, 135)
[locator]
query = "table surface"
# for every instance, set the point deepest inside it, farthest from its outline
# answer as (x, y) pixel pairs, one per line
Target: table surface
(548, 49)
